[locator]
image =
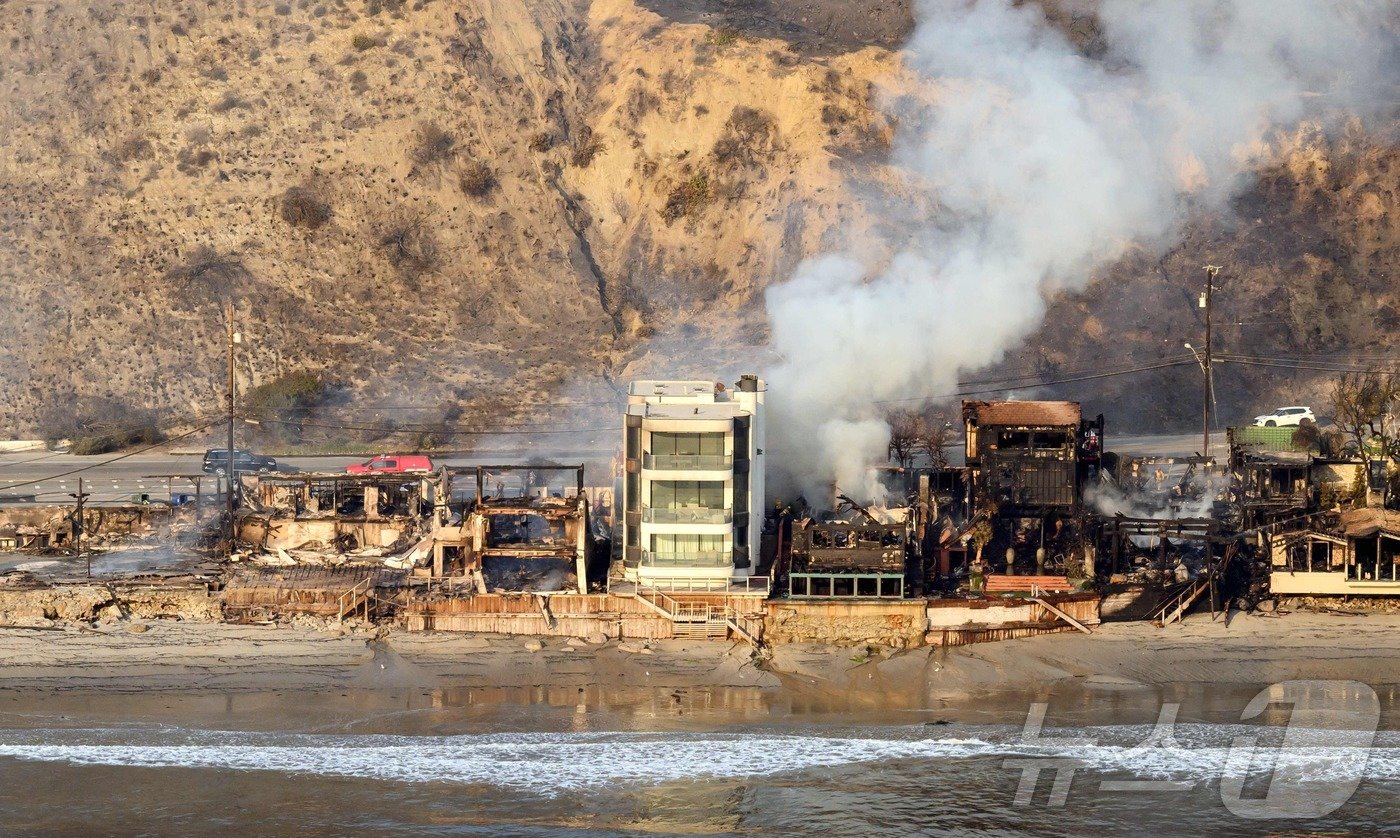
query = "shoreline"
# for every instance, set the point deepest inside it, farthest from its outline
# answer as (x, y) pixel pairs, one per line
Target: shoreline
(1121, 664)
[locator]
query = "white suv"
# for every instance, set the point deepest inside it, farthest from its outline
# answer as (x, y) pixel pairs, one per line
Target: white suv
(1285, 416)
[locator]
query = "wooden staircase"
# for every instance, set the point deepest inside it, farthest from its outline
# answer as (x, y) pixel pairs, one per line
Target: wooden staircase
(354, 601)
(1177, 606)
(695, 620)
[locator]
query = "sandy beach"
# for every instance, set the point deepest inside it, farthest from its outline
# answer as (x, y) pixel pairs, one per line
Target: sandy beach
(166, 655)
(212, 728)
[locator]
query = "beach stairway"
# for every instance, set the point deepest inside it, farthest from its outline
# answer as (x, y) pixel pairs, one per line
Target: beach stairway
(355, 600)
(689, 620)
(264, 594)
(1176, 607)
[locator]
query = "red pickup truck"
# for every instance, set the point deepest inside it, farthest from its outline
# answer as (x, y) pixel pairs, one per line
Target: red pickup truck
(392, 464)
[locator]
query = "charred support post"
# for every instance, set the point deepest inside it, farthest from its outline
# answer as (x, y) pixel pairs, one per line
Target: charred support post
(81, 496)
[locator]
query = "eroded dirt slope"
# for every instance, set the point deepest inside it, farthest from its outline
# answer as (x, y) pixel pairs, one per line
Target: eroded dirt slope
(494, 203)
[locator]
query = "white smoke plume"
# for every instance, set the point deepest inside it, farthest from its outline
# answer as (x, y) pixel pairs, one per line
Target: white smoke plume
(1043, 164)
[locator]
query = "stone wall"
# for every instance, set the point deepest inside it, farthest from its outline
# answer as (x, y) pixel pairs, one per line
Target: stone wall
(898, 624)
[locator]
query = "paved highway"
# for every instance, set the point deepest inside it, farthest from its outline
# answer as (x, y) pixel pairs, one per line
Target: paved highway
(49, 478)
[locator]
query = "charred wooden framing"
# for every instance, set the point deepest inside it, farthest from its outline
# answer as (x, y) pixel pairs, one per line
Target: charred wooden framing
(1274, 482)
(524, 543)
(1121, 531)
(1031, 458)
(868, 558)
(337, 511)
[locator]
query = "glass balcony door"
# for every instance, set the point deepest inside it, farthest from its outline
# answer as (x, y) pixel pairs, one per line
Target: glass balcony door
(687, 501)
(678, 451)
(687, 550)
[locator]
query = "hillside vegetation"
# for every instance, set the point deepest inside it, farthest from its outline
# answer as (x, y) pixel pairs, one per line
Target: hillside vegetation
(498, 209)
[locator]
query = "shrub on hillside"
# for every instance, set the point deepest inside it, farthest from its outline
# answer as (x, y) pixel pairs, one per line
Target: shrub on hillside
(432, 144)
(207, 275)
(688, 198)
(476, 179)
(98, 425)
(409, 245)
(283, 404)
(303, 206)
(587, 147)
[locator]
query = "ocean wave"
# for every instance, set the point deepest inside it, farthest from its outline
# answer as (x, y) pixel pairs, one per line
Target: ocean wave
(583, 760)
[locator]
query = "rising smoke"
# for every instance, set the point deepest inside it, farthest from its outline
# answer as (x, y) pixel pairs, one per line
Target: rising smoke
(1043, 163)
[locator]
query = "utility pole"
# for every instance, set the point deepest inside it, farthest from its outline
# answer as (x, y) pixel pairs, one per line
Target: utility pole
(230, 478)
(78, 524)
(1209, 394)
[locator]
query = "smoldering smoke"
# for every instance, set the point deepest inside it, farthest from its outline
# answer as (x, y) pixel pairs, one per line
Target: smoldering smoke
(1043, 163)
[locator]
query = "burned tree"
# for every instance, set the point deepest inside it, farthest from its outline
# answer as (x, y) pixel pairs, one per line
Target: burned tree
(907, 434)
(936, 433)
(1361, 405)
(1361, 408)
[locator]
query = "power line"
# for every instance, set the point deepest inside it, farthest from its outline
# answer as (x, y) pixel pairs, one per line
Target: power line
(111, 460)
(48, 456)
(454, 432)
(1305, 367)
(100, 431)
(1042, 383)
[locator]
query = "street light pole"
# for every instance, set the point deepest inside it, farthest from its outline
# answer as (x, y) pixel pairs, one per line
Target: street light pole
(229, 402)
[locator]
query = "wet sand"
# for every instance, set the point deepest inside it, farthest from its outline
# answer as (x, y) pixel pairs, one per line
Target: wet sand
(194, 728)
(131, 667)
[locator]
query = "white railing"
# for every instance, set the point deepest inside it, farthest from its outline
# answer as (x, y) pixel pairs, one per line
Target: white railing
(687, 462)
(717, 558)
(710, 584)
(687, 515)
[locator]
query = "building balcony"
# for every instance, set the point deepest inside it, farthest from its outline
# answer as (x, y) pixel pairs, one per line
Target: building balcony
(687, 515)
(716, 558)
(687, 462)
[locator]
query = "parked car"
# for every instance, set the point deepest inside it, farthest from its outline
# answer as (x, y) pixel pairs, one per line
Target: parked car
(1285, 416)
(216, 461)
(392, 464)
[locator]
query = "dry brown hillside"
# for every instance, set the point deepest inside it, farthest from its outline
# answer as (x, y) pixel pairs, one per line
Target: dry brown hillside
(469, 203)
(431, 201)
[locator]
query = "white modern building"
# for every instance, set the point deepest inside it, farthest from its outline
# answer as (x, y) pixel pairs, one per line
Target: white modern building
(693, 486)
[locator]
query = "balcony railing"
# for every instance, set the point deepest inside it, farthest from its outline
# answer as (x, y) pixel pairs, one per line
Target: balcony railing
(687, 515)
(717, 558)
(687, 462)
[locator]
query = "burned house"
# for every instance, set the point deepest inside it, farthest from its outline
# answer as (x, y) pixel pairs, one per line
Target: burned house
(1273, 476)
(1030, 462)
(1356, 553)
(1030, 458)
(865, 557)
(537, 541)
(340, 513)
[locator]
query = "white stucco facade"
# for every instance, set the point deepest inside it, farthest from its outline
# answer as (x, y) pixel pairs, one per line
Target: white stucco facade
(693, 483)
